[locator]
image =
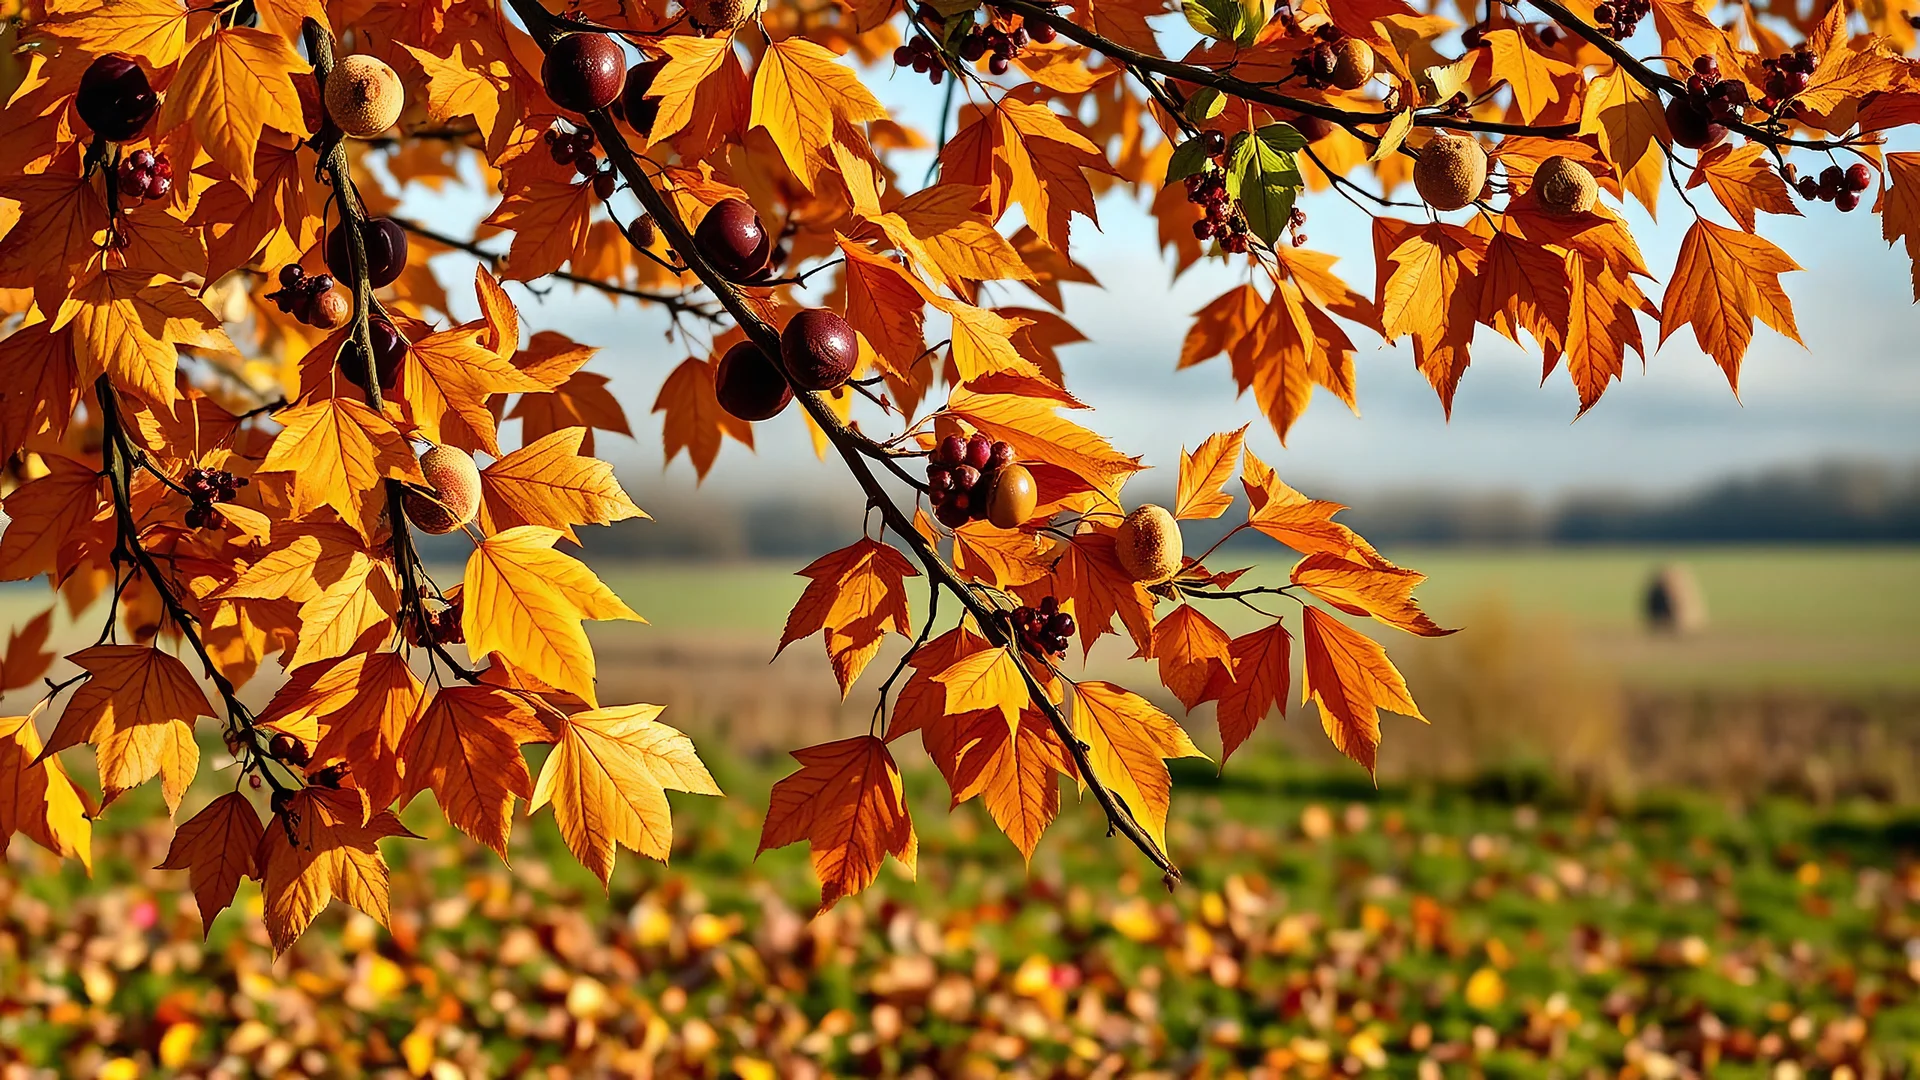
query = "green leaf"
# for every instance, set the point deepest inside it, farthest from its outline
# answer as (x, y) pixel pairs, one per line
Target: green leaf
(1219, 19)
(1262, 174)
(1254, 16)
(1205, 104)
(1187, 159)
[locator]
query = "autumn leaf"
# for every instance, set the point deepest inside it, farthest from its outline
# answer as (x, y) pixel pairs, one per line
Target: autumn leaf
(853, 597)
(128, 324)
(549, 482)
(356, 712)
(1900, 216)
(694, 419)
(1744, 182)
(45, 515)
(1255, 684)
(582, 400)
(1723, 278)
(1037, 433)
(1627, 119)
(216, 847)
(703, 94)
(1024, 154)
(1015, 772)
(27, 656)
(527, 600)
(804, 98)
(37, 799)
(1128, 742)
(988, 679)
(1204, 475)
(607, 780)
(1367, 588)
(1349, 676)
(466, 749)
(848, 803)
(317, 850)
(231, 86)
(1303, 524)
(338, 451)
(1191, 648)
(38, 392)
(448, 378)
(137, 707)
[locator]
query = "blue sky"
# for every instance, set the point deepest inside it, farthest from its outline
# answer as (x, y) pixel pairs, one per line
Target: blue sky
(1853, 391)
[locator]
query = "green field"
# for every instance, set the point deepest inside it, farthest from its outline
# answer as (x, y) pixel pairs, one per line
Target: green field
(1837, 617)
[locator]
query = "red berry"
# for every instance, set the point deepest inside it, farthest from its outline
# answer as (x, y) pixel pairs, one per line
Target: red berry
(733, 239)
(115, 99)
(819, 349)
(749, 385)
(1001, 455)
(603, 185)
(952, 451)
(979, 451)
(998, 65)
(584, 72)
(1847, 200)
(1859, 177)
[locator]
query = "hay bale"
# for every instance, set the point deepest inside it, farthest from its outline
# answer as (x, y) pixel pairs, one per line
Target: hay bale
(1675, 603)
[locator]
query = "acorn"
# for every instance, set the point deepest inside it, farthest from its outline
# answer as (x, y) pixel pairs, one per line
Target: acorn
(1564, 187)
(364, 96)
(720, 14)
(1451, 171)
(819, 349)
(1014, 496)
(1352, 63)
(456, 491)
(1148, 545)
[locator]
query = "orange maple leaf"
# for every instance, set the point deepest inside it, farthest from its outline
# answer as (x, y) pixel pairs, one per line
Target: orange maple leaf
(848, 803)
(322, 847)
(1723, 278)
(855, 595)
(1349, 676)
(466, 749)
(1128, 742)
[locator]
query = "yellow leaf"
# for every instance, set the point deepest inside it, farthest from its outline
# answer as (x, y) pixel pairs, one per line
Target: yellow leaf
(695, 421)
(338, 451)
(524, 599)
(317, 850)
(347, 612)
(988, 679)
(137, 708)
(448, 378)
(607, 779)
(1628, 121)
(548, 482)
(1369, 587)
(805, 99)
(983, 341)
(230, 87)
(1204, 475)
(1128, 741)
(37, 799)
(128, 324)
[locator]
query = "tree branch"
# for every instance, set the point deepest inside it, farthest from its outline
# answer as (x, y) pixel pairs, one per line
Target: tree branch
(670, 301)
(543, 27)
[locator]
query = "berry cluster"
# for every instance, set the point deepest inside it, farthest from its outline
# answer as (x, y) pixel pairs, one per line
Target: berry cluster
(1320, 64)
(1788, 74)
(923, 57)
(145, 176)
(206, 487)
(311, 299)
(1619, 17)
(443, 625)
(1722, 98)
(1297, 224)
(960, 477)
(1221, 218)
(1002, 44)
(1045, 630)
(575, 147)
(1841, 187)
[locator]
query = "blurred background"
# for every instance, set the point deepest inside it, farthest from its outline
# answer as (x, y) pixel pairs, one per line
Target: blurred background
(1662, 822)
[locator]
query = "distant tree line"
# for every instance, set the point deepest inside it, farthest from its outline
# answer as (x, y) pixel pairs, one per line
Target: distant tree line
(1834, 502)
